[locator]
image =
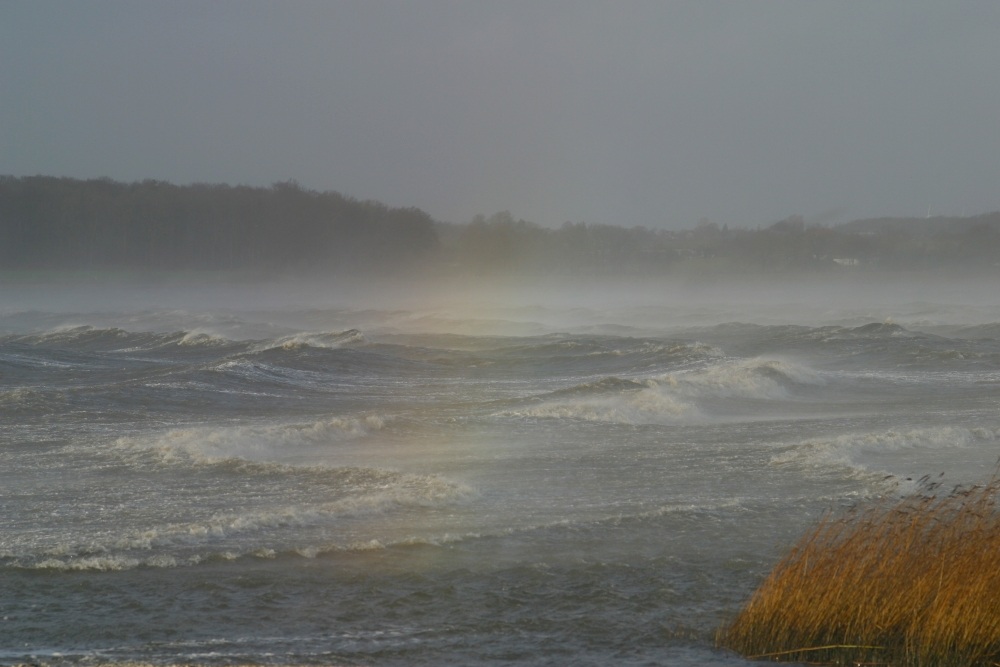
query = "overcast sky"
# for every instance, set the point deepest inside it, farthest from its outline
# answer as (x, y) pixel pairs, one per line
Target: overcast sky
(628, 113)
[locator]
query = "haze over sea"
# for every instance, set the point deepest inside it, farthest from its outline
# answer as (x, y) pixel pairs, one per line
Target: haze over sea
(587, 474)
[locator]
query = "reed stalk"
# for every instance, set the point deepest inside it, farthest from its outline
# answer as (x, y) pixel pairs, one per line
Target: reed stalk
(906, 582)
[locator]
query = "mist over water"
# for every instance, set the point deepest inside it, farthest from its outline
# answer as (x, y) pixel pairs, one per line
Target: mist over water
(497, 472)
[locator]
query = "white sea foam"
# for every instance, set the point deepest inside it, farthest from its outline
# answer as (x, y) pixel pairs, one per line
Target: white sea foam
(327, 340)
(849, 450)
(277, 443)
(261, 532)
(752, 379)
(675, 397)
(198, 337)
(650, 405)
(92, 563)
(389, 493)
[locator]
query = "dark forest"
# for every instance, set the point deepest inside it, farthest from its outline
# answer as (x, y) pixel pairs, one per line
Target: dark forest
(100, 224)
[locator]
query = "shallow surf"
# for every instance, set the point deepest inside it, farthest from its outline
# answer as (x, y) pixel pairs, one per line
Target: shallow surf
(543, 485)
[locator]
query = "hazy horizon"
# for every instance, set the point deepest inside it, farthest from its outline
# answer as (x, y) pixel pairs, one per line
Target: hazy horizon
(653, 114)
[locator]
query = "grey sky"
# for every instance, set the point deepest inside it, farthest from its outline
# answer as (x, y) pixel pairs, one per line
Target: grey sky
(628, 113)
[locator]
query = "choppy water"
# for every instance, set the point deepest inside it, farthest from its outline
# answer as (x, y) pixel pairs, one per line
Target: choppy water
(536, 486)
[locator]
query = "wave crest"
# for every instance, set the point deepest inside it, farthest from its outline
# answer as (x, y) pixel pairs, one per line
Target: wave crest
(324, 340)
(751, 379)
(845, 451)
(271, 443)
(317, 523)
(677, 397)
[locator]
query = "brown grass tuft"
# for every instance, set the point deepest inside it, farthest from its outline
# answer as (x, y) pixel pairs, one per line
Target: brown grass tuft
(910, 582)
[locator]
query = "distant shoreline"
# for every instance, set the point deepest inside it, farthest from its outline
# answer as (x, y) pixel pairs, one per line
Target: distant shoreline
(153, 230)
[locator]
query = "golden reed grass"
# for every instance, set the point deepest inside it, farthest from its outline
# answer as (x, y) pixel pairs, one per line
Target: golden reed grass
(907, 582)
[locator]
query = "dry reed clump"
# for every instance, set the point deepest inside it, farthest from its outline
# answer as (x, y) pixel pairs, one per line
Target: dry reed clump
(914, 581)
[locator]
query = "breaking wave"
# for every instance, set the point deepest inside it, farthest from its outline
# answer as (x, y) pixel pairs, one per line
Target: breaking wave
(260, 533)
(330, 340)
(848, 450)
(270, 443)
(644, 404)
(114, 339)
(770, 379)
(682, 396)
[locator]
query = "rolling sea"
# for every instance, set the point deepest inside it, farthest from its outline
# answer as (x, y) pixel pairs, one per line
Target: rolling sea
(579, 478)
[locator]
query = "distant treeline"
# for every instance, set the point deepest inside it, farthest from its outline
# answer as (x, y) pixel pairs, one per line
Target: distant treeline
(500, 243)
(63, 223)
(50, 222)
